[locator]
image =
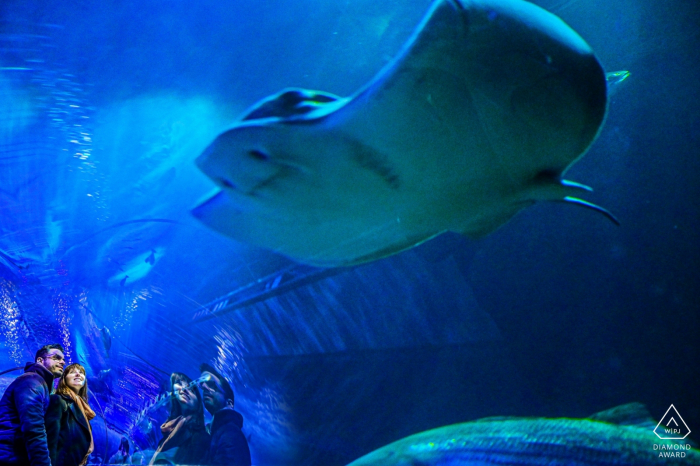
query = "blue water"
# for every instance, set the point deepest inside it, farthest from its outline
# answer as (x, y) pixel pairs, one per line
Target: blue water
(103, 108)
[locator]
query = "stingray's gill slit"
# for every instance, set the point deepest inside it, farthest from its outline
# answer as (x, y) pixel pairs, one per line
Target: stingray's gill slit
(258, 154)
(223, 182)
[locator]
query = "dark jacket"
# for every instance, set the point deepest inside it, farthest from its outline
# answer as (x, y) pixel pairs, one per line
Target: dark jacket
(67, 431)
(228, 444)
(22, 408)
(191, 447)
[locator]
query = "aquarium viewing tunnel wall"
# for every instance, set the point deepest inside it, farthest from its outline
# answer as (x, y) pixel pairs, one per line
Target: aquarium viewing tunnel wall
(104, 107)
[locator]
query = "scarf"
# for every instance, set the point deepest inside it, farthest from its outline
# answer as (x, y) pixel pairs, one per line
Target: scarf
(89, 414)
(173, 429)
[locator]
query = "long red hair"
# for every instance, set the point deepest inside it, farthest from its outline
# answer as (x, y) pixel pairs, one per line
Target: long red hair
(64, 389)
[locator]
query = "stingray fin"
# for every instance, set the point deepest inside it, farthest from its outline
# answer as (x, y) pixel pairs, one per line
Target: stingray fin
(291, 104)
(590, 205)
(385, 252)
(614, 79)
(489, 224)
(573, 184)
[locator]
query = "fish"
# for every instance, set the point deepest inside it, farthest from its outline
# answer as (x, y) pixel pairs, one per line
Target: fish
(477, 117)
(106, 337)
(623, 435)
(151, 259)
(104, 375)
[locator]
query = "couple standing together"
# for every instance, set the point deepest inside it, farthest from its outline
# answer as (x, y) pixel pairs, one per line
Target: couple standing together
(38, 428)
(186, 439)
(41, 429)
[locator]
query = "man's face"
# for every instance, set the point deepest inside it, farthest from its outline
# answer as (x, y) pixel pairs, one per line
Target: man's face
(213, 394)
(53, 361)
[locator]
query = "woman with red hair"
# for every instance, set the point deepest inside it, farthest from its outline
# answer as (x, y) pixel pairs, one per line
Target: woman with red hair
(68, 420)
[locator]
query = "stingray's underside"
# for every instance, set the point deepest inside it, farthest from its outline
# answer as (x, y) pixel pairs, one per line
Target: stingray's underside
(477, 117)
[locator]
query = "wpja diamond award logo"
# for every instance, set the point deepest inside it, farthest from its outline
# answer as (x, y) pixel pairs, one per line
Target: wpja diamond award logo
(672, 427)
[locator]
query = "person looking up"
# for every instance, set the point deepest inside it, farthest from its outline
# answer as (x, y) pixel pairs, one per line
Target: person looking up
(22, 408)
(228, 444)
(68, 420)
(185, 440)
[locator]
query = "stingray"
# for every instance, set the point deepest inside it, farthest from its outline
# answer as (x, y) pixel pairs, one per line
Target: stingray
(479, 115)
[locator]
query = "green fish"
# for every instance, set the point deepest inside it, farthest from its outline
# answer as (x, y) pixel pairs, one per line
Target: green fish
(620, 436)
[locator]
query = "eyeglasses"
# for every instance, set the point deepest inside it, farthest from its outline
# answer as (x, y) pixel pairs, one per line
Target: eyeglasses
(55, 357)
(212, 385)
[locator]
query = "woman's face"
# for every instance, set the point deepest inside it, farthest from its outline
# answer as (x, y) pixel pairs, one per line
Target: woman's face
(75, 379)
(186, 397)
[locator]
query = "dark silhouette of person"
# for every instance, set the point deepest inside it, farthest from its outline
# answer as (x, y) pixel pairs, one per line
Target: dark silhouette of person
(122, 455)
(68, 420)
(228, 446)
(22, 409)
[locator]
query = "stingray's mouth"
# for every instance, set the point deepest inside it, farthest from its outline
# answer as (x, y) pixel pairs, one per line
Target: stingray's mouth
(249, 188)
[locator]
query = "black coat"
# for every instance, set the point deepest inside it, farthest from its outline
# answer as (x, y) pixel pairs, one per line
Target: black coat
(229, 446)
(67, 431)
(192, 447)
(22, 408)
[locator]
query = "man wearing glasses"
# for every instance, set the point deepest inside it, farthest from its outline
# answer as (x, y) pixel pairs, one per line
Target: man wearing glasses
(229, 446)
(22, 409)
